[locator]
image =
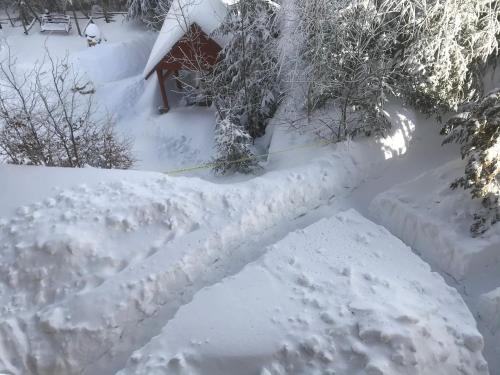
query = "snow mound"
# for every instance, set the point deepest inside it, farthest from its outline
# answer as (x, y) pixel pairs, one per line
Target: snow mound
(433, 219)
(108, 62)
(489, 310)
(342, 296)
(92, 273)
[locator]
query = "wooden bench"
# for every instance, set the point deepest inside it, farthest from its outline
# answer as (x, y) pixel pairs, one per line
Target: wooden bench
(55, 23)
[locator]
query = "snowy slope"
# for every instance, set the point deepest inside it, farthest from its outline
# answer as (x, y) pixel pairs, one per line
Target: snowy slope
(25, 185)
(435, 220)
(340, 297)
(91, 273)
(94, 263)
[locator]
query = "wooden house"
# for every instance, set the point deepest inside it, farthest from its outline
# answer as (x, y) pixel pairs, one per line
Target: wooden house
(184, 42)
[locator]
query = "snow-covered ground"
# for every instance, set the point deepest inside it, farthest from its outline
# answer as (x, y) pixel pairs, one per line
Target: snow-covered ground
(435, 220)
(342, 296)
(181, 138)
(94, 264)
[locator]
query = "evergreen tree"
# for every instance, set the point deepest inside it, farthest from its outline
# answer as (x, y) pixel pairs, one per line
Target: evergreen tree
(233, 148)
(248, 69)
(348, 51)
(244, 84)
(151, 12)
(443, 45)
(477, 129)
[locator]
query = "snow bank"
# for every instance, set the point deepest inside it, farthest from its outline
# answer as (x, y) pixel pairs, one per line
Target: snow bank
(290, 129)
(489, 310)
(342, 296)
(433, 219)
(92, 273)
(109, 62)
(23, 185)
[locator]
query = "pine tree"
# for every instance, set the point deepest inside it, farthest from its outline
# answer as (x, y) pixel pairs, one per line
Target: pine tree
(443, 45)
(348, 51)
(151, 12)
(477, 129)
(247, 74)
(244, 84)
(233, 148)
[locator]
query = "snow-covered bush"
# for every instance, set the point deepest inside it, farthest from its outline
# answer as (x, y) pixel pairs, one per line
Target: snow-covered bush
(432, 51)
(442, 45)
(232, 142)
(477, 129)
(347, 49)
(47, 117)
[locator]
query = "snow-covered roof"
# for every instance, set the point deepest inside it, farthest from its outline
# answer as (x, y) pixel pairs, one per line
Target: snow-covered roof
(207, 14)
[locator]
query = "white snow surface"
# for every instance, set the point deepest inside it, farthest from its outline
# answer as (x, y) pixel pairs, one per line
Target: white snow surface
(435, 220)
(342, 296)
(181, 138)
(207, 14)
(94, 263)
(91, 273)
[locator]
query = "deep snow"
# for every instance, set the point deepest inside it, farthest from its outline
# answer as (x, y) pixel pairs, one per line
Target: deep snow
(180, 138)
(435, 220)
(96, 263)
(342, 296)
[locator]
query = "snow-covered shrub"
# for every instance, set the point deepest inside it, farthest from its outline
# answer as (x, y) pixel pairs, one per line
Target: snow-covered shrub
(442, 45)
(477, 129)
(232, 142)
(348, 53)
(47, 117)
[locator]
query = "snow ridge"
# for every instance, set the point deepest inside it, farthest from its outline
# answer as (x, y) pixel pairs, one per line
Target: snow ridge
(342, 297)
(117, 248)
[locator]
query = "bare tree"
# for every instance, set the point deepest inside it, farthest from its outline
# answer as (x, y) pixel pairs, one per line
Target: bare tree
(47, 117)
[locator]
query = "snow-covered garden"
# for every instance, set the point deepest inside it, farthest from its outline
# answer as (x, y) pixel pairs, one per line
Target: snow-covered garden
(254, 187)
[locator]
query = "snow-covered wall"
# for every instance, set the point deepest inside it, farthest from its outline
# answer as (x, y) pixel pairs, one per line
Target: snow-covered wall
(433, 219)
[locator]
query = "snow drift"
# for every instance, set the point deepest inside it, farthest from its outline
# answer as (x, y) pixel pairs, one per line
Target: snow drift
(342, 296)
(131, 252)
(435, 220)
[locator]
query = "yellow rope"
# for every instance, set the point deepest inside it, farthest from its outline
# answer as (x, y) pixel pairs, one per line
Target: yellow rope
(254, 157)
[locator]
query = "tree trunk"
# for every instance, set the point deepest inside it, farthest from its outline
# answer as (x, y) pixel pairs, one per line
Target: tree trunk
(33, 12)
(8, 16)
(22, 16)
(76, 19)
(105, 5)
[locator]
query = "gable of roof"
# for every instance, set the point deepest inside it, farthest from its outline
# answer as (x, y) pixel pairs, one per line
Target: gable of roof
(207, 14)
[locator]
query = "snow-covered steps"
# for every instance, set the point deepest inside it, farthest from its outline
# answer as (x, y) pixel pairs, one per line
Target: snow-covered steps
(342, 296)
(435, 221)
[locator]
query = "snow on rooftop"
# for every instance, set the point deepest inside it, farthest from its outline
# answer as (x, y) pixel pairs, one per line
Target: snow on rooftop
(207, 14)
